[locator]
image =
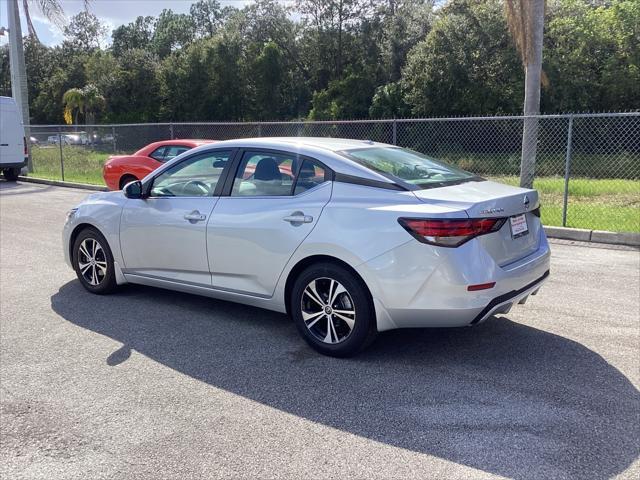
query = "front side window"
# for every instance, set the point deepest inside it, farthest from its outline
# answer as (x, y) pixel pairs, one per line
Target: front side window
(158, 154)
(409, 166)
(173, 151)
(264, 174)
(195, 177)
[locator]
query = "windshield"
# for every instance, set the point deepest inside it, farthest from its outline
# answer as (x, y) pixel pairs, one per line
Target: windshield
(409, 166)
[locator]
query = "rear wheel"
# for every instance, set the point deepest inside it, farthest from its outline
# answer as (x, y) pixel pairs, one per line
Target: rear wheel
(332, 310)
(126, 179)
(11, 174)
(93, 262)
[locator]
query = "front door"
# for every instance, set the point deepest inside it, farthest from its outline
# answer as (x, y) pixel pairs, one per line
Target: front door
(164, 235)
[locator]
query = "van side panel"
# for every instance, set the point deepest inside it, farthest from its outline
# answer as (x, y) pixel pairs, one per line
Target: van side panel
(11, 135)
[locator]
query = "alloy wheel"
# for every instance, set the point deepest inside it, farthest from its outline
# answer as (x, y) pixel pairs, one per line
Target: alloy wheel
(92, 261)
(328, 310)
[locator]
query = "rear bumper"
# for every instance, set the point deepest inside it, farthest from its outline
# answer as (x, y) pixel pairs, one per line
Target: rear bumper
(503, 303)
(13, 164)
(417, 285)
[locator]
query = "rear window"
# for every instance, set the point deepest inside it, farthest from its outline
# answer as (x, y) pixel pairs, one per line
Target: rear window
(406, 166)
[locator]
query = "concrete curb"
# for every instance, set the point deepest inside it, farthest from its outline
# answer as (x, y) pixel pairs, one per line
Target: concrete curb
(576, 234)
(58, 183)
(596, 236)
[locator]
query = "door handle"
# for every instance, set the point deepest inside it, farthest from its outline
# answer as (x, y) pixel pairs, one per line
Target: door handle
(298, 218)
(195, 216)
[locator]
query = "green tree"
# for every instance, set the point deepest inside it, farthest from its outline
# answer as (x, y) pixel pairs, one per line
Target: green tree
(593, 56)
(348, 98)
(135, 35)
(86, 101)
(85, 32)
(206, 16)
(467, 65)
(172, 31)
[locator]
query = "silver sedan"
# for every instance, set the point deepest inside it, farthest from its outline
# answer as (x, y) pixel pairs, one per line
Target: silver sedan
(348, 237)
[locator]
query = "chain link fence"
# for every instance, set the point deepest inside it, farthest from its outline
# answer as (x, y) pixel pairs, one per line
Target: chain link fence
(587, 165)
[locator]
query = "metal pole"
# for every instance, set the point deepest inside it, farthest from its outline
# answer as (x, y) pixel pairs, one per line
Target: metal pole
(395, 132)
(567, 167)
(18, 69)
(171, 130)
(113, 134)
(61, 157)
(259, 130)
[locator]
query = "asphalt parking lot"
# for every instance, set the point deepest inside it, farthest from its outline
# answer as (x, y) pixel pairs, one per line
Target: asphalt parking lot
(153, 384)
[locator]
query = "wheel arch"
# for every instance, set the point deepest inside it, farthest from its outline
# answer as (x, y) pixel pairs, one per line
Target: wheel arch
(302, 264)
(126, 175)
(76, 231)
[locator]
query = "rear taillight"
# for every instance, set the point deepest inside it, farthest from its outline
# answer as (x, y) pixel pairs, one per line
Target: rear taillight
(447, 232)
(24, 142)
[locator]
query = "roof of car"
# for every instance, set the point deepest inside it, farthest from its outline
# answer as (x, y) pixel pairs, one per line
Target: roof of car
(325, 143)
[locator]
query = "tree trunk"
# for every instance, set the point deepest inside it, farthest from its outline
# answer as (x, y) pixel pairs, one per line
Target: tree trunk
(19, 71)
(533, 71)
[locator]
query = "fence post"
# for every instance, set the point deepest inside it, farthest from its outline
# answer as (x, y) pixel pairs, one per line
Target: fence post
(259, 130)
(395, 132)
(113, 134)
(567, 167)
(61, 156)
(171, 130)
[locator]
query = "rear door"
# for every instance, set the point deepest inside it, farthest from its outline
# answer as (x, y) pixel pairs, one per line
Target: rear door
(274, 201)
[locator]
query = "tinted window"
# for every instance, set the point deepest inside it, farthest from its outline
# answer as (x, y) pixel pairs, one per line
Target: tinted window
(264, 174)
(409, 166)
(309, 176)
(158, 154)
(174, 151)
(196, 176)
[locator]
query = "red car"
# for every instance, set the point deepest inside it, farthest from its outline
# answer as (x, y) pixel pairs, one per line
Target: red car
(119, 170)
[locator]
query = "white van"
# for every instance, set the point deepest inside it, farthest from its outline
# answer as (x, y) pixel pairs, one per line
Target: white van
(13, 144)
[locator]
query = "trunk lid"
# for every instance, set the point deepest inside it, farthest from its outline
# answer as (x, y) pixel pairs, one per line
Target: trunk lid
(488, 199)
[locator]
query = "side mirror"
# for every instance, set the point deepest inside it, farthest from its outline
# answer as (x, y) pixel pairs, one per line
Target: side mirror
(133, 189)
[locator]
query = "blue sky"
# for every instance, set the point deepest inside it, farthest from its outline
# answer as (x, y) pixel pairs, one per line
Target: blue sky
(112, 12)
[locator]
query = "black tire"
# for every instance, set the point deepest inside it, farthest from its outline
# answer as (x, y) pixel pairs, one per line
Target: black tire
(106, 279)
(356, 297)
(126, 179)
(11, 174)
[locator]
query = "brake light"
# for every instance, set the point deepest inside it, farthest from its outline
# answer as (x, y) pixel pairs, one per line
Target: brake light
(24, 142)
(450, 232)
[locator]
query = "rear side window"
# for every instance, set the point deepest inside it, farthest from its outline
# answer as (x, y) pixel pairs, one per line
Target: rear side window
(264, 174)
(309, 176)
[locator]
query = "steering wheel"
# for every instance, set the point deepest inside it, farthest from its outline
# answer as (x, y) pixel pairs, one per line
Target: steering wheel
(196, 184)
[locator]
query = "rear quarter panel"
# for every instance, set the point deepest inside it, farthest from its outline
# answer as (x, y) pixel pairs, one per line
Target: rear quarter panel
(360, 223)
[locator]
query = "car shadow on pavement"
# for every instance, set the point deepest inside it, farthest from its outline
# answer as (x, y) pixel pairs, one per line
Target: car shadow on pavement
(21, 188)
(502, 397)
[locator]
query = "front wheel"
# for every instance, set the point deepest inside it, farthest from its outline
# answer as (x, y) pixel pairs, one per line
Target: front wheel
(332, 310)
(11, 174)
(93, 262)
(126, 179)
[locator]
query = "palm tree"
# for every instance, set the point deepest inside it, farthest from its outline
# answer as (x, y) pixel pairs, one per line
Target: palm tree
(52, 9)
(526, 23)
(86, 101)
(73, 100)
